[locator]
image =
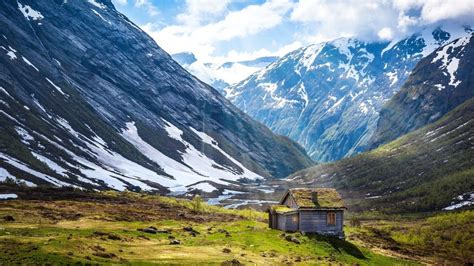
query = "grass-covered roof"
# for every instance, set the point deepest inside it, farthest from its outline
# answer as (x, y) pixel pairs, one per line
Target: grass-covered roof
(326, 198)
(281, 209)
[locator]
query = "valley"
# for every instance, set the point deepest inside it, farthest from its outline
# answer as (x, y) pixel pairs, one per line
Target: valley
(72, 226)
(114, 150)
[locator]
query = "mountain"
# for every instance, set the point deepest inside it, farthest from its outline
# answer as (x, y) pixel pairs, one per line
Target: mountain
(425, 170)
(220, 76)
(87, 99)
(439, 83)
(184, 59)
(327, 96)
(259, 62)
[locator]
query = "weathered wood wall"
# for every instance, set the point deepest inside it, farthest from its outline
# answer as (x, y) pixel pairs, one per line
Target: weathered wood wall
(288, 223)
(290, 202)
(316, 222)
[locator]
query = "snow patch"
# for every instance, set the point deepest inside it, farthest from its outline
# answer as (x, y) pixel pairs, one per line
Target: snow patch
(8, 196)
(29, 12)
(55, 86)
(97, 4)
(24, 135)
(101, 17)
(29, 63)
(205, 187)
(10, 52)
(465, 200)
(25, 168)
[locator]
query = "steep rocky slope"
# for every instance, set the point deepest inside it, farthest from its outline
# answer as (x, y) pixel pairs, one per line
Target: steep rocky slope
(428, 169)
(327, 96)
(439, 83)
(88, 99)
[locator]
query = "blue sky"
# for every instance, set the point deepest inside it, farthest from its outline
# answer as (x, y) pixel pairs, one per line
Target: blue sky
(231, 30)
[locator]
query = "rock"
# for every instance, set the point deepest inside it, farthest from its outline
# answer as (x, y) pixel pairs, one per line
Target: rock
(143, 237)
(114, 237)
(108, 235)
(191, 231)
(231, 262)
(8, 218)
(148, 230)
(226, 250)
(105, 255)
(98, 248)
(292, 239)
(175, 242)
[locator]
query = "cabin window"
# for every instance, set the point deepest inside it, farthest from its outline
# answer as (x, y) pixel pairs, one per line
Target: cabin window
(331, 218)
(295, 218)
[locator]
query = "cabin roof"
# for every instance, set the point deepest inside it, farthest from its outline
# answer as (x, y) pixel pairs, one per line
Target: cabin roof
(327, 198)
(281, 209)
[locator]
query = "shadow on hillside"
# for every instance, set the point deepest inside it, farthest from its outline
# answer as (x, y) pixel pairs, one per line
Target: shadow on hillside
(339, 245)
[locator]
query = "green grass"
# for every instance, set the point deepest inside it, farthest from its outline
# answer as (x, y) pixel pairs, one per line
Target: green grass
(444, 238)
(63, 232)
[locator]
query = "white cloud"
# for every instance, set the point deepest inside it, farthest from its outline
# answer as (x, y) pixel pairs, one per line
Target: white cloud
(438, 10)
(202, 39)
(148, 5)
(340, 18)
(377, 19)
(385, 33)
(201, 10)
(120, 2)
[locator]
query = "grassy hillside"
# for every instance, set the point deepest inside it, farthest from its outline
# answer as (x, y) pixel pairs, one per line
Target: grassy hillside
(77, 227)
(421, 171)
(439, 239)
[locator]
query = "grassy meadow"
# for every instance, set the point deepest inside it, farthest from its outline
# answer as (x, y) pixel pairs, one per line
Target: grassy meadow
(103, 228)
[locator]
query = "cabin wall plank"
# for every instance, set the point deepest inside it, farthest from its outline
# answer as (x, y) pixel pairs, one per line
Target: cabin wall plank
(316, 222)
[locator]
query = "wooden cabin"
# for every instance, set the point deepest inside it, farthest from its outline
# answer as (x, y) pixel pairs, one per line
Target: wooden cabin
(309, 210)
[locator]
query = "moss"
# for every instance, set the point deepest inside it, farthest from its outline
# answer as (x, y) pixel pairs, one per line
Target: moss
(326, 198)
(281, 208)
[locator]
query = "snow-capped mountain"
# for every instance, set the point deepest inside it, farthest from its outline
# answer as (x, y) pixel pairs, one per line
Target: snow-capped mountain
(431, 167)
(88, 99)
(184, 59)
(328, 96)
(220, 76)
(438, 84)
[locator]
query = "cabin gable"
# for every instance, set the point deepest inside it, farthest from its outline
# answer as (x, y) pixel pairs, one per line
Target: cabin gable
(289, 201)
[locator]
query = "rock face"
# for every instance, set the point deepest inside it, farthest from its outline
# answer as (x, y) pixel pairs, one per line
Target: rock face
(88, 99)
(439, 83)
(327, 96)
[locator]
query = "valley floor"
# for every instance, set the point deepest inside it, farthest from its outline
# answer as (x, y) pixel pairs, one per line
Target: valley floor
(67, 226)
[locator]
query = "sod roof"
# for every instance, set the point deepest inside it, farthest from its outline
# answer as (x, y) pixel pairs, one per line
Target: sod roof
(326, 198)
(281, 209)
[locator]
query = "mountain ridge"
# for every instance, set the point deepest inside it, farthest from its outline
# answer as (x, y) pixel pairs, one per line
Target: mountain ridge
(421, 101)
(89, 100)
(327, 96)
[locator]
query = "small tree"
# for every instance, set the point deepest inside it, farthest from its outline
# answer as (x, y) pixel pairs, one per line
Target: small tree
(197, 204)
